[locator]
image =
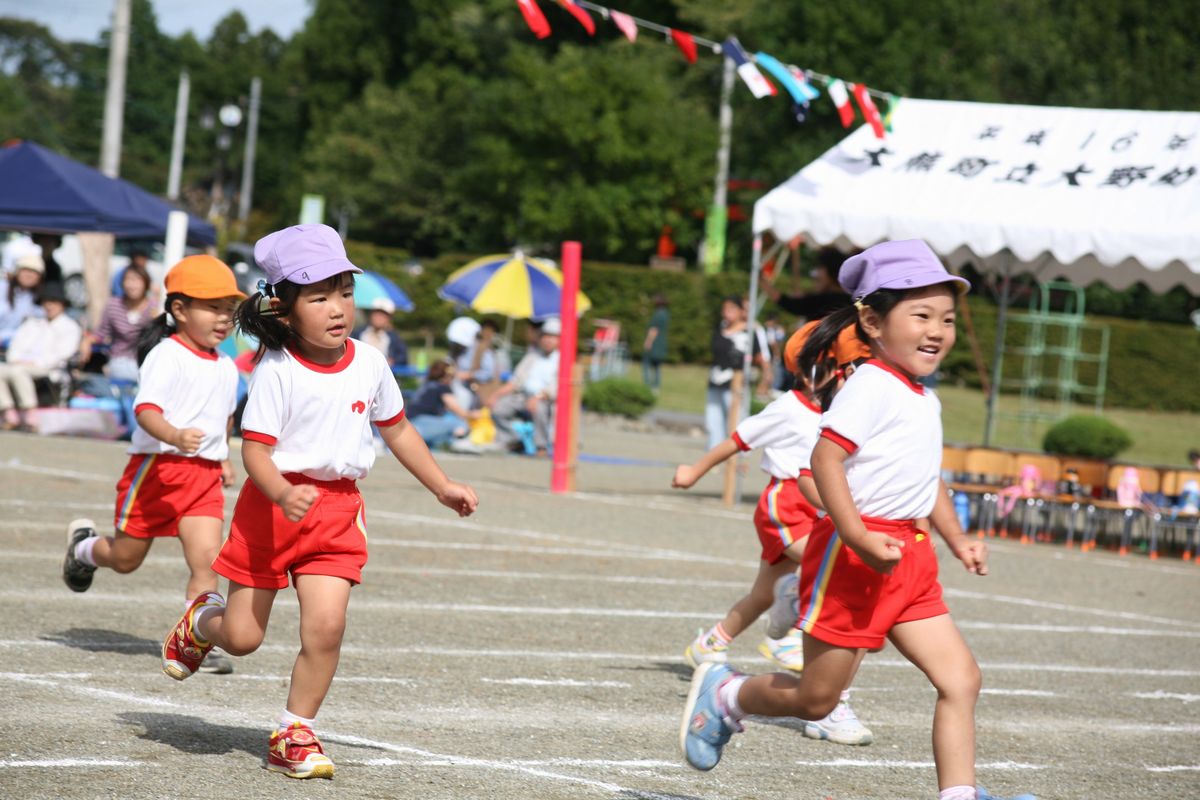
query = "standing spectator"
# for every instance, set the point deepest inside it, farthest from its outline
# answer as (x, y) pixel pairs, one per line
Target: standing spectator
(39, 348)
(20, 295)
(435, 413)
(654, 348)
(777, 378)
(49, 242)
(531, 390)
(121, 324)
(827, 294)
(379, 333)
(730, 343)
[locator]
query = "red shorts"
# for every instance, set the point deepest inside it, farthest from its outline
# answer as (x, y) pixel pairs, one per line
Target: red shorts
(264, 546)
(156, 490)
(783, 517)
(844, 602)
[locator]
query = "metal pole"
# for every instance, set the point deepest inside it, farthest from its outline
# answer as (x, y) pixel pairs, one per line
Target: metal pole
(114, 96)
(714, 240)
(998, 351)
(175, 176)
(251, 147)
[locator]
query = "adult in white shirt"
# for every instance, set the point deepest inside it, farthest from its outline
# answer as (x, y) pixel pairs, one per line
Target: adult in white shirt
(39, 348)
(532, 390)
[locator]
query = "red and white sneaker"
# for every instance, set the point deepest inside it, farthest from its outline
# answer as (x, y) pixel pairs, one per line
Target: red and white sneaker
(297, 753)
(183, 650)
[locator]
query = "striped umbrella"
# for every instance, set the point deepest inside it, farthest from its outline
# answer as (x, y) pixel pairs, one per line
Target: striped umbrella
(371, 286)
(512, 284)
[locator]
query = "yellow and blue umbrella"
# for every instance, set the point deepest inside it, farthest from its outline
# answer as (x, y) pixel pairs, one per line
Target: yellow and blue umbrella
(371, 286)
(511, 284)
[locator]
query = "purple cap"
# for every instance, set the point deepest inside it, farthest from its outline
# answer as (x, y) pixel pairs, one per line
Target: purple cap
(302, 254)
(907, 264)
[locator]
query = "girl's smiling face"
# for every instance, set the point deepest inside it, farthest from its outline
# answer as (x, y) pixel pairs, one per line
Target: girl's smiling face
(321, 318)
(204, 324)
(917, 333)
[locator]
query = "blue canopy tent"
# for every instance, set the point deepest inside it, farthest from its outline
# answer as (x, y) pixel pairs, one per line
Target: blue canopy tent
(43, 191)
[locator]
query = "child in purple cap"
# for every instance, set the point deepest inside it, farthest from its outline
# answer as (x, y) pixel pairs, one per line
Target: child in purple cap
(869, 572)
(306, 441)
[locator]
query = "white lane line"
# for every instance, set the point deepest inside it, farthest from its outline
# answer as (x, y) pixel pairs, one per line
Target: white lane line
(1161, 695)
(1045, 604)
(225, 715)
(633, 764)
(57, 504)
(874, 763)
(1175, 768)
(1089, 629)
(16, 465)
(91, 691)
(567, 682)
(606, 552)
(571, 577)
(359, 679)
(68, 763)
(1017, 692)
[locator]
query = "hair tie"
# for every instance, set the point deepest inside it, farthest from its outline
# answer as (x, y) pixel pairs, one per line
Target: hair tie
(858, 304)
(265, 289)
(170, 319)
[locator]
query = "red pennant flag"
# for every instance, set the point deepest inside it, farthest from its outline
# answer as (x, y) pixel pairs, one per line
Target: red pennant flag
(625, 23)
(534, 18)
(869, 111)
(837, 93)
(685, 43)
(585, 19)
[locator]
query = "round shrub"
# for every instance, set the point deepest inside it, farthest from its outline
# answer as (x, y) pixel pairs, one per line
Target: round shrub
(618, 396)
(1093, 437)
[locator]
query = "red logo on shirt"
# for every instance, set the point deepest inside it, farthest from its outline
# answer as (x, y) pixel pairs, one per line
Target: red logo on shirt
(358, 406)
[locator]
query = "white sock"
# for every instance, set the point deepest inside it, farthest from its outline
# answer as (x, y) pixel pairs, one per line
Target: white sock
(727, 696)
(845, 696)
(287, 719)
(83, 550)
(957, 793)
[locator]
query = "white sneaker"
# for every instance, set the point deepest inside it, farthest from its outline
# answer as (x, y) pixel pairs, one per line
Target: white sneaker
(464, 445)
(787, 652)
(785, 611)
(841, 726)
(705, 649)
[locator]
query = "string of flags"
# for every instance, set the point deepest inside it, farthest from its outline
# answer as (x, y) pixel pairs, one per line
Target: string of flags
(796, 82)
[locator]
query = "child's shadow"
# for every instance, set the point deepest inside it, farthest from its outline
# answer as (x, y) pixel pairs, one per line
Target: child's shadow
(681, 671)
(98, 640)
(196, 736)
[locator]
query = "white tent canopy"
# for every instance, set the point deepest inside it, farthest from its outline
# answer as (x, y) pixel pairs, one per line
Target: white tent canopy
(1073, 193)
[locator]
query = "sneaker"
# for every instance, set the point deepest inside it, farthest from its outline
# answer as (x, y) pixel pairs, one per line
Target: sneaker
(76, 574)
(705, 730)
(217, 662)
(841, 726)
(297, 753)
(783, 613)
(787, 652)
(982, 794)
(183, 651)
(464, 445)
(705, 649)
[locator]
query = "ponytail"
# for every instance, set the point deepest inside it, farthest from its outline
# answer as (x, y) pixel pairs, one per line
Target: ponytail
(158, 328)
(255, 317)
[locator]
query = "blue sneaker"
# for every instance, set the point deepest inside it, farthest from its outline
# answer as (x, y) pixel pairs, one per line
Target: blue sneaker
(705, 730)
(982, 794)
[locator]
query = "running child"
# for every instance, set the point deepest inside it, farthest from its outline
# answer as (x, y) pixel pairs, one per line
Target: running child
(787, 430)
(868, 572)
(179, 453)
(306, 441)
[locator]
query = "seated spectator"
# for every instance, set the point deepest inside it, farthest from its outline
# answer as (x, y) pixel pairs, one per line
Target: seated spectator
(436, 414)
(477, 364)
(530, 392)
(40, 347)
(49, 242)
(20, 294)
(121, 323)
(379, 333)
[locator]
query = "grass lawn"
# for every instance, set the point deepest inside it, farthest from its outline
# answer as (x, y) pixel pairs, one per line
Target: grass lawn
(1158, 437)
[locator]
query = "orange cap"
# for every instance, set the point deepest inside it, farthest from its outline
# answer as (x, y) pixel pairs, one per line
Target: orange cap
(202, 277)
(848, 348)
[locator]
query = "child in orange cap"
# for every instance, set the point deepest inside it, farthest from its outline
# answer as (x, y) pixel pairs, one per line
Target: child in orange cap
(787, 430)
(179, 454)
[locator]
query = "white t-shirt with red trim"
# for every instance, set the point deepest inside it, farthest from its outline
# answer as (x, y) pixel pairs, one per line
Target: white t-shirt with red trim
(892, 428)
(318, 417)
(787, 430)
(192, 389)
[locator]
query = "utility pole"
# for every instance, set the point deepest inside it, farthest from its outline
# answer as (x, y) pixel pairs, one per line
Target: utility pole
(175, 175)
(248, 158)
(114, 96)
(714, 224)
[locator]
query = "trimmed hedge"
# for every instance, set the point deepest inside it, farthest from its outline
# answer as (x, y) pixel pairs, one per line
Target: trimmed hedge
(1091, 437)
(618, 396)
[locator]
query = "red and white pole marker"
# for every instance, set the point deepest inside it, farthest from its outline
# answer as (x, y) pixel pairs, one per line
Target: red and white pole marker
(562, 475)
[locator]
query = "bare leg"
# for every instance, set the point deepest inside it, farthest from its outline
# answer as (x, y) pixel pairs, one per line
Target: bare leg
(827, 670)
(323, 601)
(121, 553)
(239, 628)
(201, 540)
(937, 648)
(753, 605)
